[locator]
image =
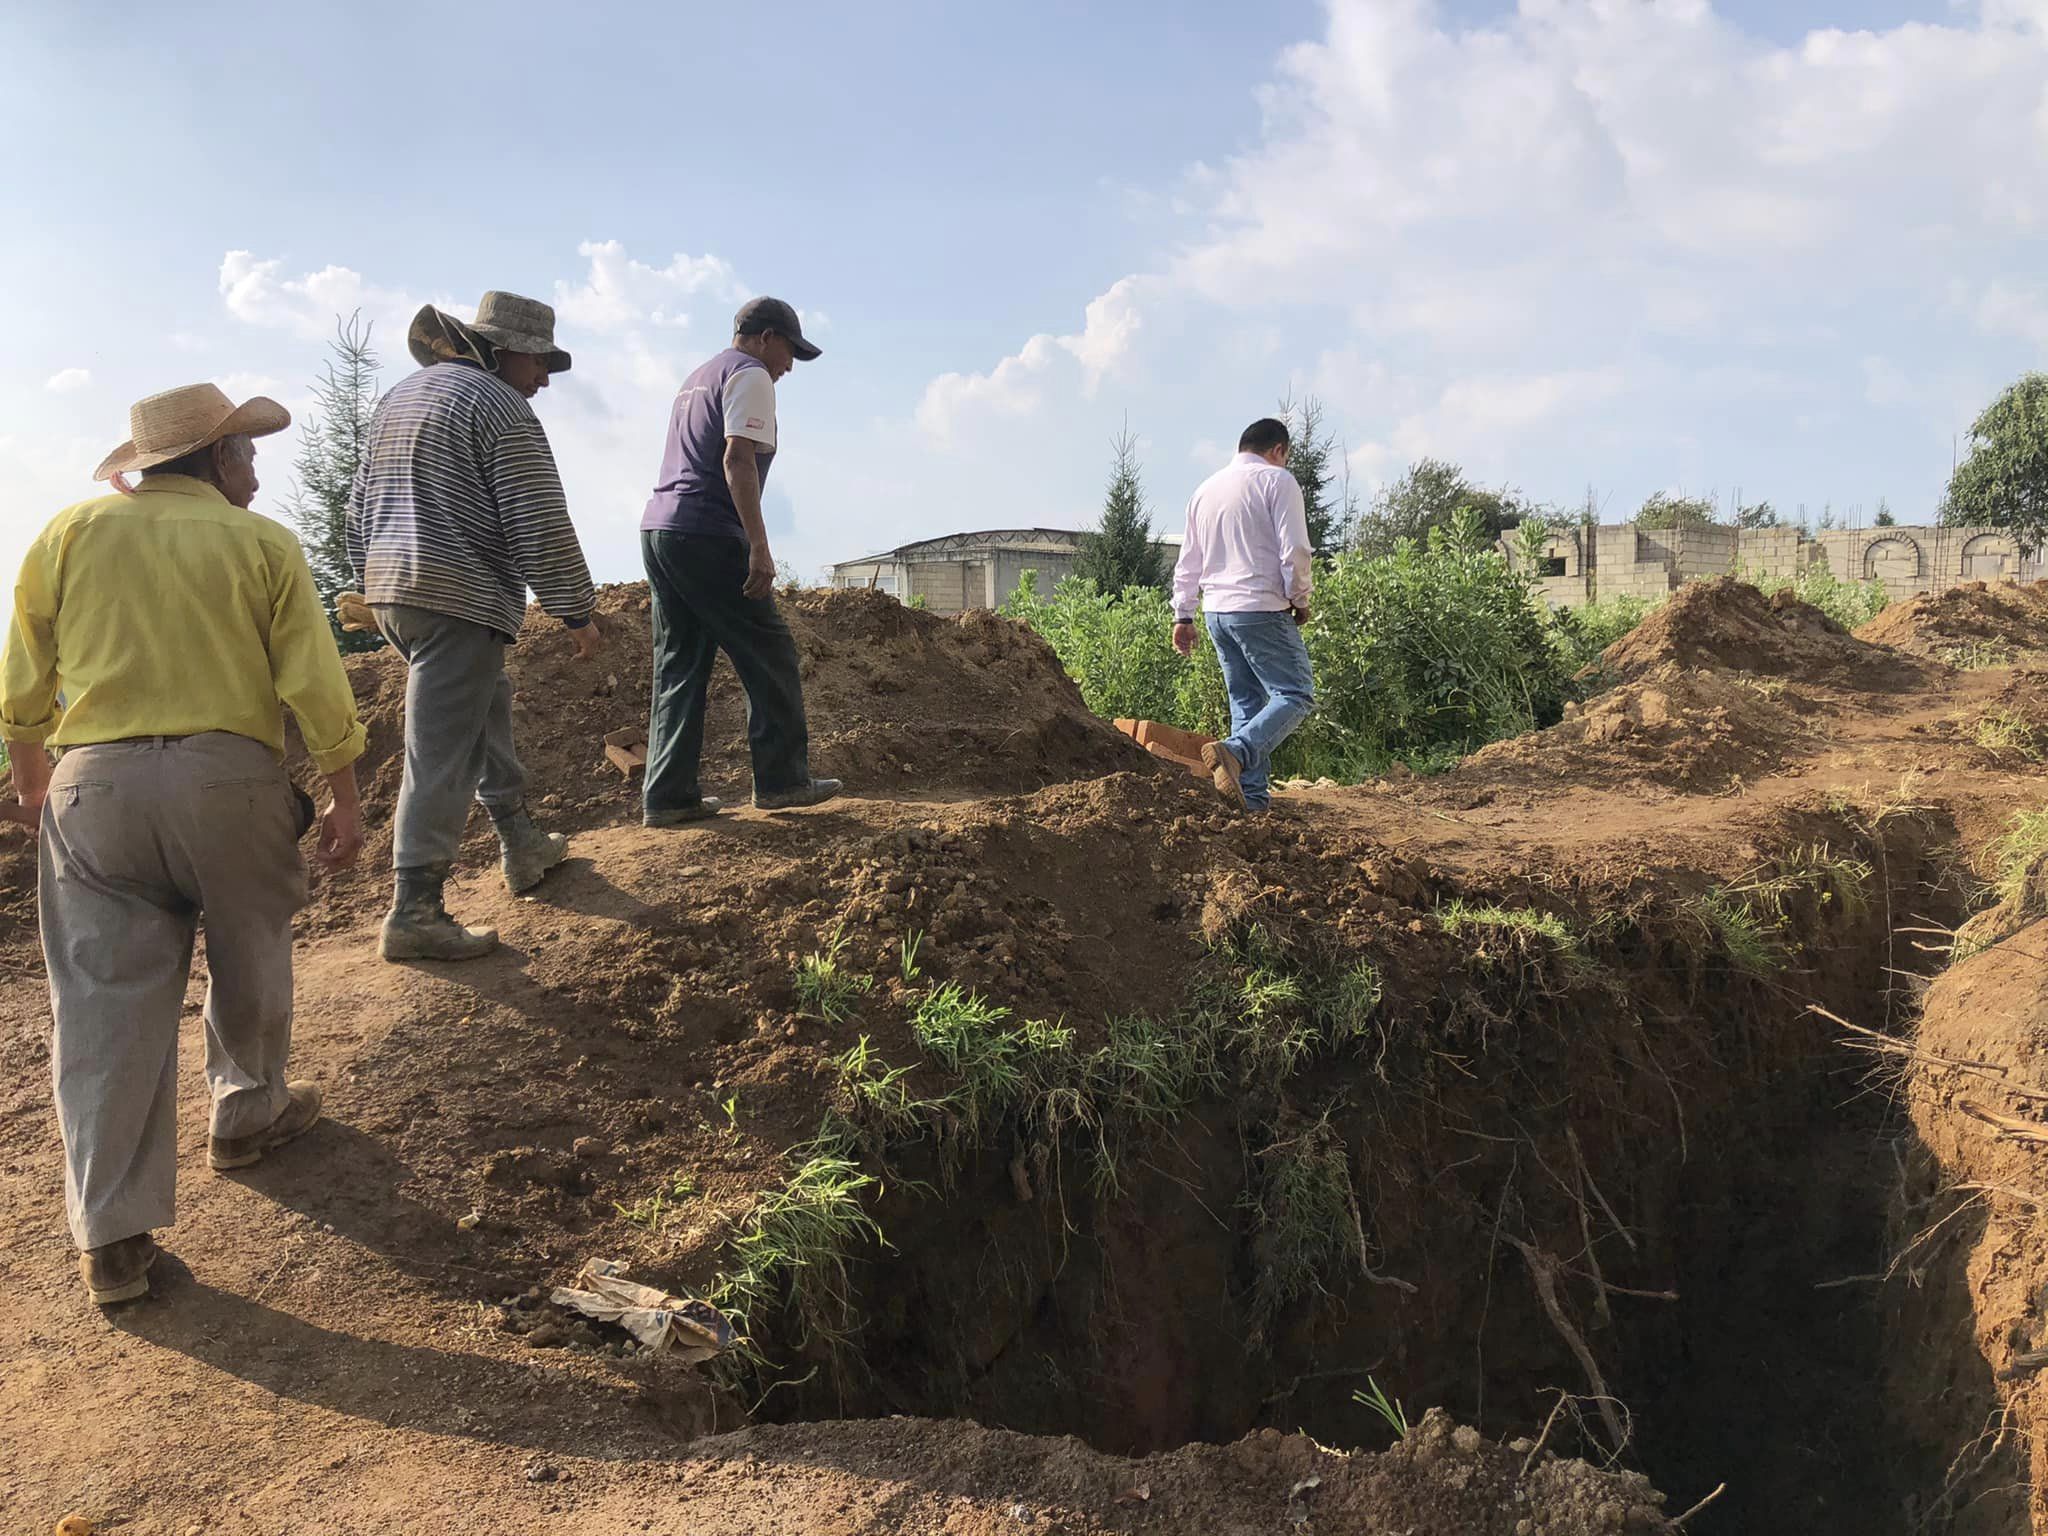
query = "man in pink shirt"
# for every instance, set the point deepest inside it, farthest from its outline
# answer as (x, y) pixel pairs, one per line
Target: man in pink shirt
(1245, 556)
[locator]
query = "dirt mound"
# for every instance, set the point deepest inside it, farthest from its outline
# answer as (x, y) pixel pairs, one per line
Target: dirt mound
(1991, 622)
(1728, 625)
(900, 702)
(1693, 731)
(1440, 1479)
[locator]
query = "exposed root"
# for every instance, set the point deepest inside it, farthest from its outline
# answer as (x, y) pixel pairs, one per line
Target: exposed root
(1544, 1269)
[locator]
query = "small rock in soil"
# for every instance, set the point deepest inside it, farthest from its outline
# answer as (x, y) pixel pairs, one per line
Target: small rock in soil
(548, 1336)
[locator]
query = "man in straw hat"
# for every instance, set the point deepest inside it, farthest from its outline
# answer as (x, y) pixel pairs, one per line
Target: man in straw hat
(712, 577)
(457, 510)
(172, 622)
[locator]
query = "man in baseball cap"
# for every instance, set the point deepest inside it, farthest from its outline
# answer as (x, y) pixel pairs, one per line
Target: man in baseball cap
(712, 577)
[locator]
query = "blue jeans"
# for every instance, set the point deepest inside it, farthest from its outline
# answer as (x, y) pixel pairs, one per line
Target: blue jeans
(1265, 669)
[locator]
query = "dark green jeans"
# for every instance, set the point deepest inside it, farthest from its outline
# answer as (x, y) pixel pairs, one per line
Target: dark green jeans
(699, 610)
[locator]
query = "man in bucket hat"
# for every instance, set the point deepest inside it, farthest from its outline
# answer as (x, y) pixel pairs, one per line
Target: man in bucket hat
(712, 578)
(172, 622)
(457, 510)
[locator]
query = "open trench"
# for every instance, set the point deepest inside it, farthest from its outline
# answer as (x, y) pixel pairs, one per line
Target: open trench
(1641, 1190)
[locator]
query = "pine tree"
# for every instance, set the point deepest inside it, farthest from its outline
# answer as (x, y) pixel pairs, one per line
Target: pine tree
(1310, 457)
(1119, 552)
(331, 443)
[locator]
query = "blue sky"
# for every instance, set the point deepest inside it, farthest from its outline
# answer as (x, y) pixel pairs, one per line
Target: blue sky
(1624, 245)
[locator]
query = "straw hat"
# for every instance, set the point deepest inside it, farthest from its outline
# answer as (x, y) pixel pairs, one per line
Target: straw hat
(181, 421)
(502, 320)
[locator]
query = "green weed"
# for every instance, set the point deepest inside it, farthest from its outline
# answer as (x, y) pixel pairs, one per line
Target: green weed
(794, 1246)
(652, 1212)
(1458, 916)
(1749, 941)
(1388, 1408)
(907, 966)
(825, 989)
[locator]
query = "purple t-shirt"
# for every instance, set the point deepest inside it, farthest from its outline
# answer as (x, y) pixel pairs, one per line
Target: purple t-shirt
(690, 493)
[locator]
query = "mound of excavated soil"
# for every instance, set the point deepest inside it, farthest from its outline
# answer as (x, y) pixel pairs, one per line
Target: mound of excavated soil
(1684, 730)
(2007, 615)
(962, 1478)
(900, 702)
(1728, 625)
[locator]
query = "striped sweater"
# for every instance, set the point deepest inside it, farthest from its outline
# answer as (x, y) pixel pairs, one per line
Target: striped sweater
(457, 506)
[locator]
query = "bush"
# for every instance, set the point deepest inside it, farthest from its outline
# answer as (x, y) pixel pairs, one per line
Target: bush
(1420, 656)
(1848, 603)
(1582, 633)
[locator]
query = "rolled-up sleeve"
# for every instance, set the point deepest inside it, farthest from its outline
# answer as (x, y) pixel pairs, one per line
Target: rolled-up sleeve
(533, 515)
(28, 665)
(305, 666)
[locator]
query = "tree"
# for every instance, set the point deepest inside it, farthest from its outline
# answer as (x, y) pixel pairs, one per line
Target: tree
(2003, 481)
(331, 445)
(1119, 552)
(1311, 457)
(1884, 518)
(1429, 495)
(1665, 509)
(1758, 515)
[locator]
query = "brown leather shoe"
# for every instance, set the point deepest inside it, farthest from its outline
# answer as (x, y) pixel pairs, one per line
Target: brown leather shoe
(297, 1118)
(118, 1271)
(1225, 771)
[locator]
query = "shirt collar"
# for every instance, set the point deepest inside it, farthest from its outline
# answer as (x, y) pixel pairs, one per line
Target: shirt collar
(1248, 458)
(179, 485)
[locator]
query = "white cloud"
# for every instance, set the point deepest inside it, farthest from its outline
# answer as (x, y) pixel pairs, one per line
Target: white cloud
(258, 292)
(1016, 385)
(618, 294)
(68, 380)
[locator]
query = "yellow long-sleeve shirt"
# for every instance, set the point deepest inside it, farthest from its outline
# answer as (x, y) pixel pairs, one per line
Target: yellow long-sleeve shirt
(169, 613)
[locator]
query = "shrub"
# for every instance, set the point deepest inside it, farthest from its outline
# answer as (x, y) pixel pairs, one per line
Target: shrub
(1420, 656)
(1848, 603)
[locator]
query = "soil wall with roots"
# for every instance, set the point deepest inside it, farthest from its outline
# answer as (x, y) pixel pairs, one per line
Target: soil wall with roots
(1592, 1159)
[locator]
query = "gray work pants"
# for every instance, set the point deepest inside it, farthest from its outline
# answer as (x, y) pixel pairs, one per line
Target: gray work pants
(138, 839)
(458, 731)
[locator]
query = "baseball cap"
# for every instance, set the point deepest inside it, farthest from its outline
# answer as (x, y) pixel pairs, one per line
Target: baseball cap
(758, 315)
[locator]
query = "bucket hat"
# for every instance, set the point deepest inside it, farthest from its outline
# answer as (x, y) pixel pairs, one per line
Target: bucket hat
(502, 320)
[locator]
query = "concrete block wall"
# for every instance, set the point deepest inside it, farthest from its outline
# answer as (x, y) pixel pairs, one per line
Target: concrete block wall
(1776, 552)
(1912, 559)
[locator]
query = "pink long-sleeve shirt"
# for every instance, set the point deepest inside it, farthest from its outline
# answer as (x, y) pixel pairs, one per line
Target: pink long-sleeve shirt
(1246, 547)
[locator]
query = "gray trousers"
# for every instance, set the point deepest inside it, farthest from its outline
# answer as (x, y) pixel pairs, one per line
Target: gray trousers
(138, 839)
(458, 731)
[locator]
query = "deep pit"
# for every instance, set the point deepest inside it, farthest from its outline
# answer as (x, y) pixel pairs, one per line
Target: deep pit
(1687, 1150)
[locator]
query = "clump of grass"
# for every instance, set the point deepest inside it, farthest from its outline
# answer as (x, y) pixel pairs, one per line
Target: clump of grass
(907, 967)
(1838, 879)
(1978, 655)
(1303, 1217)
(825, 988)
(1389, 1408)
(2007, 730)
(1526, 926)
(1750, 941)
(794, 1246)
(2025, 840)
(653, 1212)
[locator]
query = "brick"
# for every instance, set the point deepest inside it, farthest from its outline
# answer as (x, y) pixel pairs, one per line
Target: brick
(629, 761)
